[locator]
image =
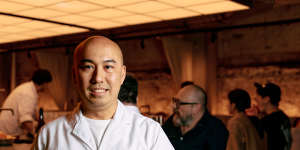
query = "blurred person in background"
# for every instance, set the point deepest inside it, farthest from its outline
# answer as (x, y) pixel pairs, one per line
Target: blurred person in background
(23, 101)
(296, 135)
(128, 93)
(243, 133)
(275, 122)
(192, 127)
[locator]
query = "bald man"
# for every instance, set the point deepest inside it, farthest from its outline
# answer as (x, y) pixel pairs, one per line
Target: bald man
(101, 121)
(191, 127)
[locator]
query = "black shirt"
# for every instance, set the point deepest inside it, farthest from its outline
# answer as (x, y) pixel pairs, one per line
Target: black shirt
(209, 134)
(278, 128)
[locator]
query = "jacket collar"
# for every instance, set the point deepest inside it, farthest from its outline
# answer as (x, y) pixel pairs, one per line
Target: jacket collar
(80, 126)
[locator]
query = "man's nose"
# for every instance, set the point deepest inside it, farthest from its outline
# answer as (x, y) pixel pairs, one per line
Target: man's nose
(98, 76)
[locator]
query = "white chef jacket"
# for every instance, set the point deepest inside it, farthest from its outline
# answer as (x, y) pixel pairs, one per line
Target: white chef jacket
(133, 108)
(23, 100)
(127, 131)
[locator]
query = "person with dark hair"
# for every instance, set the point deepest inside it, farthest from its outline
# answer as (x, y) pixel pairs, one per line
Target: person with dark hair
(275, 122)
(128, 93)
(41, 76)
(192, 127)
(23, 100)
(243, 134)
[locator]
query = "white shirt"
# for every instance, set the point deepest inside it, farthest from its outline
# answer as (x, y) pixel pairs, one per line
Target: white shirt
(98, 128)
(23, 100)
(126, 131)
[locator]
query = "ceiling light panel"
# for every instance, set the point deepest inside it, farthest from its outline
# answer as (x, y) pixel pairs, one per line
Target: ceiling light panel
(39, 33)
(2, 40)
(143, 7)
(65, 30)
(38, 2)
(40, 13)
(107, 13)
(173, 14)
(218, 7)
(8, 20)
(101, 24)
(71, 19)
(11, 7)
(74, 6)
(114, 3)
(38, 25)
(136, 19)
(18, 37)
(183, 3)
(13, 29)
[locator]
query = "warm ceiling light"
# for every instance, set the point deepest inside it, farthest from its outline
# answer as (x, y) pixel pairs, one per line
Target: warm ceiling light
(13, 29)
(39, 33)
(2, 33)
(37, 25)
(148, 6)
(183, 3)
(2, 40)
(101, 24)
(8, 20)
(107, 13)
(114, 3)
(218, 7)
(74, 6)
(65, 30)
(136, 19)
(72, 19)
(98, 14)
(12, 7)
(40, 13)
(173, 13)
(18, 37)
(37, 2)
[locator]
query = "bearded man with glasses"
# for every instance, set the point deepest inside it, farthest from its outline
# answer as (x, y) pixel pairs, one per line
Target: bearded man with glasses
(192, 127)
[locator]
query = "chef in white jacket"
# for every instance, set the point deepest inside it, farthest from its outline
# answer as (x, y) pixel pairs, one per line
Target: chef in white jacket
(101, 121)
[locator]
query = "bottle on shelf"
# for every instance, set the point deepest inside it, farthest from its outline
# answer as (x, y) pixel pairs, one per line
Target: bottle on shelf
(41, 121)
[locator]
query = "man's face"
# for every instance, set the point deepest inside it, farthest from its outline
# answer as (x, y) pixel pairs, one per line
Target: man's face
(261, 102)
(99, 73)
(185, 107)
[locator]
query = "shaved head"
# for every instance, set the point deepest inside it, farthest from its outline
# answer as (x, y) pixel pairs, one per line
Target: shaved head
(193, 92)
(95, 42)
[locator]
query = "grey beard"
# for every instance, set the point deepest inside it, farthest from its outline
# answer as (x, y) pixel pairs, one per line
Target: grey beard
(180, 121)
(186, 121)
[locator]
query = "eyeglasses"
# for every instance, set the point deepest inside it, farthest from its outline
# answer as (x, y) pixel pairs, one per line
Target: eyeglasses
(178, 102)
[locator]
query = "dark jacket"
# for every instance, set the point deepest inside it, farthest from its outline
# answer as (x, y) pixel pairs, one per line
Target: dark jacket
(278, 128)
(209, 134)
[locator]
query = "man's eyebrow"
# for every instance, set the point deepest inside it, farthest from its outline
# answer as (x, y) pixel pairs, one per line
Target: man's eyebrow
(86, 60)
(110, 61)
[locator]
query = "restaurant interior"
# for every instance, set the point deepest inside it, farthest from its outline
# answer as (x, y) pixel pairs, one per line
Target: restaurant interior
(220, 45)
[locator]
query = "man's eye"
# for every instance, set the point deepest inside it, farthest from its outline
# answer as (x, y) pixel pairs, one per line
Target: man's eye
(86, 67)
(108, 67)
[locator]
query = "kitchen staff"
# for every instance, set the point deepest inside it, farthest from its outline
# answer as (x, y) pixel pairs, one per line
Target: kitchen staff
(23, 101)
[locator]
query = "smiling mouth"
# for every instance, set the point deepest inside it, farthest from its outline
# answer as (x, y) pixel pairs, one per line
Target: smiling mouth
(98, 91)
